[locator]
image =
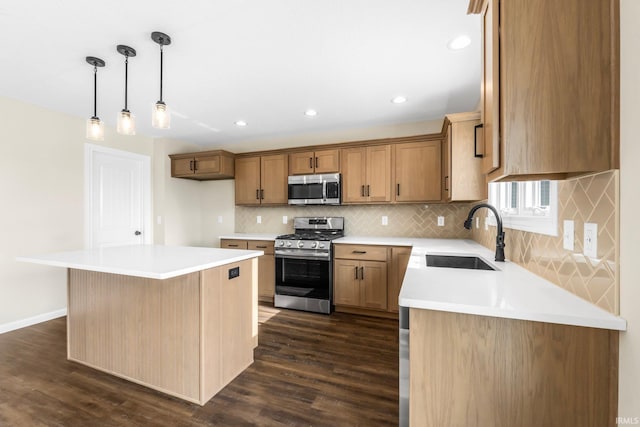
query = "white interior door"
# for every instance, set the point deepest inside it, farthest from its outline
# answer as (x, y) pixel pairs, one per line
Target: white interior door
(117, 197)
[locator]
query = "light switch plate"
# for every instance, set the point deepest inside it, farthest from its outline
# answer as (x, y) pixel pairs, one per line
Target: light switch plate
(591, 240)
(259, 219)
(285, 219)
(440, 221)
(219, 219)
(477, 222)
(385, 220)
(568, 234)
(486, 223)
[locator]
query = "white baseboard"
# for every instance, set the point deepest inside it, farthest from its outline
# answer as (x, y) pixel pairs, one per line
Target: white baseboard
(23, 323)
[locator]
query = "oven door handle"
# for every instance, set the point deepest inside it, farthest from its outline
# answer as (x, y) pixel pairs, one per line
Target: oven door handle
(321, 257)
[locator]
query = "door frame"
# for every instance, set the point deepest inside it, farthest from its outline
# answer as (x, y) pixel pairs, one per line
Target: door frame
(89, 151)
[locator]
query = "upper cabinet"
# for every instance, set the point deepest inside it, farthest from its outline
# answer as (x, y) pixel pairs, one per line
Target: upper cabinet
(205, 165)
(462, 171)
(261, 180)
(417, 169)
(550, 87)
(309, 162)
(366, 174)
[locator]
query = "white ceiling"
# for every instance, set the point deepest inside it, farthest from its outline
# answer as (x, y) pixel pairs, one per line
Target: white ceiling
(262, 61)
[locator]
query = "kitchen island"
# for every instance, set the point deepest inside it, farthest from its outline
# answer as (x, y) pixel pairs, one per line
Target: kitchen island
(180, 320)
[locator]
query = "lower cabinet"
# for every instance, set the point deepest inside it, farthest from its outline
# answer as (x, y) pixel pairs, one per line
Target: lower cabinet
(266, 264)
(367, 278)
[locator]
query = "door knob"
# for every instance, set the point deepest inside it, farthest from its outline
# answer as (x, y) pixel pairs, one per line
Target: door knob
(137, 233)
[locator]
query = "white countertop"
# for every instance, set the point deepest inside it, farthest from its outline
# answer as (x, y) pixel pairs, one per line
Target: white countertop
(250, 236)
(150, 261)
(512, 292)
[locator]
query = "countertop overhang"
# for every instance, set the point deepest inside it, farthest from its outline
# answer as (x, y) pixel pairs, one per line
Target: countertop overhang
(510, 292)
(150, 261)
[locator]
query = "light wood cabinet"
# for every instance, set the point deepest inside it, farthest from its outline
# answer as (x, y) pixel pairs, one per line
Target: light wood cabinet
(206, 165)
(360, 276)
(366, 174)
(418, 171)
(462, 176)
(397, 268)
(266, 264)
(550, 87)
(261, 180)
(310, 162)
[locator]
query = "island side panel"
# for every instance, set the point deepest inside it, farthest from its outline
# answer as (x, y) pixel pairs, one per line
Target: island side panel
(478, 370)
(227, 325)
(143, 330)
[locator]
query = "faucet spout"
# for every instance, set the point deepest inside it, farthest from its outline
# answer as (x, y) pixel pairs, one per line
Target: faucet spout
(500, 234)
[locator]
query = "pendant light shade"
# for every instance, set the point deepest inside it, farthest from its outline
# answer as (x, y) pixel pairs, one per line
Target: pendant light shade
(126, 120)
(160, 116)
(95, 127)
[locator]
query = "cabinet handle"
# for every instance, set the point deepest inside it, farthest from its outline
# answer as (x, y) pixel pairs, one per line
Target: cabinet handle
(446, 183)
(361, 273)
(368, 190)
(257, 194)
(261, 194)
(195, 165)
(190, 165)
(310, 162)
(316, 162)
(475, 140)
(397, 189)
(261, 247)
(359, 252)
(362, 190)
(356, 273)
(233, 246)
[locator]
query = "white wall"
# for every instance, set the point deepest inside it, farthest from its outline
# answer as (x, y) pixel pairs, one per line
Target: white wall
(629, 379)
(42, 204)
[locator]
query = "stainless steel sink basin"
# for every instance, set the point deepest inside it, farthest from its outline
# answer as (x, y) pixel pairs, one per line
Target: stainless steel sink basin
(455, 261)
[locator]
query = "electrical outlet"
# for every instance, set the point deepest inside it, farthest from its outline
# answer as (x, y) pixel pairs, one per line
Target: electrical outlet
(440, 221)
(568, 234)
(385, 220)
(285, 219)
(486, 223)
(259, 219)
(591, 240)
(219, 219)
(159, 220)
(477, 222)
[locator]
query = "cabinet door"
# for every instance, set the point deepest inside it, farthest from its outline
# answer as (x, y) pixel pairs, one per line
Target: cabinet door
(247, 181)
(182, 167)
(373, 286)
(399, 260)
(301, 163)
(354, 175)
(418, 171)
(378, 174)
(233, 244)
(346, 282)
(274, 172)
(207, 165)
(490, 91)
(327, 161)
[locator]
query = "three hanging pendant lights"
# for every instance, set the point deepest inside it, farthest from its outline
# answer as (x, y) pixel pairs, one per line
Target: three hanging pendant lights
(161, 117)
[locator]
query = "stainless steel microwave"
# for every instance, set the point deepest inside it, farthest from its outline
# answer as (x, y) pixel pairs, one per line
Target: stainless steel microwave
(320, 189)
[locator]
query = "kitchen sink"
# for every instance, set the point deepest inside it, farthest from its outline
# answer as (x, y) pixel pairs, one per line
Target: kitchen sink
(455, 261)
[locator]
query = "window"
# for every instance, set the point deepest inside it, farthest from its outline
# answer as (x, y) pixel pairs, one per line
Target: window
(529, 205)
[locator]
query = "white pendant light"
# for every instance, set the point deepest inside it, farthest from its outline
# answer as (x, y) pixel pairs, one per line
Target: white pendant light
(95, 127)
(126, 120)
(161, 116)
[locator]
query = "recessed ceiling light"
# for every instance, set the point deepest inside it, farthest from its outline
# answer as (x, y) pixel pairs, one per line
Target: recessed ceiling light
(311, 113)
(241, 123)
(459, 42)
(399, 100)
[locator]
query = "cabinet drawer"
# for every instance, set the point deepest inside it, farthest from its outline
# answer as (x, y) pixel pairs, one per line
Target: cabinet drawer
(366, 252)
(233, 244)
(261, 245)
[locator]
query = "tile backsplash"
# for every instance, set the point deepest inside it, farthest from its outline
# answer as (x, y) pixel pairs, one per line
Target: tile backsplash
(595, 199)
(366, 220)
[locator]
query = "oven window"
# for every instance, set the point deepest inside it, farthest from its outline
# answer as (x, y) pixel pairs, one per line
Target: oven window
(305, 191)
(303, 278)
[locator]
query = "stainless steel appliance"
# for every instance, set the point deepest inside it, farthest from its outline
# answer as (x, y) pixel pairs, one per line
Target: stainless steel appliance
(404, 367)
(304, 264)
(321, 189)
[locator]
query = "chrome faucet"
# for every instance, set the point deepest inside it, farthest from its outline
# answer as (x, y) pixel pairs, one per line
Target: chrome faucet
(499, 236)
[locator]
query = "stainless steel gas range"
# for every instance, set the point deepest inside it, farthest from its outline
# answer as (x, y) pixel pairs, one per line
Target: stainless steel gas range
(304, 264)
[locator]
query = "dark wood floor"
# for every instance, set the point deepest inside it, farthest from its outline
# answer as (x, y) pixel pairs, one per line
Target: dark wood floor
(309, 369)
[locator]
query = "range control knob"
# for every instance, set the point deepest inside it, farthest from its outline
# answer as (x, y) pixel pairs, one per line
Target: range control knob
(321, 246)
(281, 243)
(314, 244)
(300, 244)
(288, 244)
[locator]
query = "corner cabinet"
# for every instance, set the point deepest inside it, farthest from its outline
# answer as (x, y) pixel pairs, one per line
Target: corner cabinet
(310, 162)
(417, 170)
(550, 87)
(261, 180)
(266, 264)
(205, 165)
(462, 176)
(366, 174)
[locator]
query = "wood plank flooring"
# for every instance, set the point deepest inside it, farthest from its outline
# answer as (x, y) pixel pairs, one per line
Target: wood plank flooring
(310, 369)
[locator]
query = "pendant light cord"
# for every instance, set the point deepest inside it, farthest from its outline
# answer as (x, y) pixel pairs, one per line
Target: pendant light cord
(161, 67)
(95, 91)
(126, 80)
